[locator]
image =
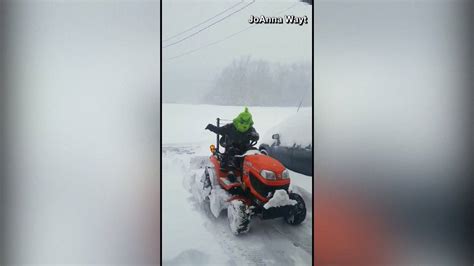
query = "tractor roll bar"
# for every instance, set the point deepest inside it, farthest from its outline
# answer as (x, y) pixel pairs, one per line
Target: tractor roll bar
(218, 124)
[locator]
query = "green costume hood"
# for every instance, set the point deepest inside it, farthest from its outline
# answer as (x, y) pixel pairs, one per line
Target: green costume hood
(243, 122)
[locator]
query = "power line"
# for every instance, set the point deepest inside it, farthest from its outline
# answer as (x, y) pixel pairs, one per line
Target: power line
(210, 44)
(225, 38)
(195, 26)
(210, 25)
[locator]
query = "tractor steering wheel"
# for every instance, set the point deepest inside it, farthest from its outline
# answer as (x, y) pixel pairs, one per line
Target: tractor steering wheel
(253, 143)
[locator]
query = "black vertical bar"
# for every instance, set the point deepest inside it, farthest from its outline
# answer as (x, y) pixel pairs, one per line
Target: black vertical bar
(161, 133)
(218, 124)
(313, 170)
(3, 142)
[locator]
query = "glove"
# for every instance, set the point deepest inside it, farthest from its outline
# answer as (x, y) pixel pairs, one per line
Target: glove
(254, 136)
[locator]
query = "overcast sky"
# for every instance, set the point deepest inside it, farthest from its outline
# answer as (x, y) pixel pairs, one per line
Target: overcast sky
(190, 75)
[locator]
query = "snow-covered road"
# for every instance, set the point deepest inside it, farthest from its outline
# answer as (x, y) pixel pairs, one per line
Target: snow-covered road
(191, 234)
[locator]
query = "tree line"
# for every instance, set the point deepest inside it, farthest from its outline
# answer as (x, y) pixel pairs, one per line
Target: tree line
(251, 82)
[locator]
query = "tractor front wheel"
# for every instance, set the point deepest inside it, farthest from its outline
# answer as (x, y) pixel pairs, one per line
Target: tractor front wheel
(239, 217)
(297, 212)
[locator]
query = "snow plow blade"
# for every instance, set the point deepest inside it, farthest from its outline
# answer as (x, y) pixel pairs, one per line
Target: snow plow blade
(275, 212)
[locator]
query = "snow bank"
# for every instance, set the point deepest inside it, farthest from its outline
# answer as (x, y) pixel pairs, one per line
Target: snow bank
(279, 199)
(182, 222)
(184, 123)
(294, 130)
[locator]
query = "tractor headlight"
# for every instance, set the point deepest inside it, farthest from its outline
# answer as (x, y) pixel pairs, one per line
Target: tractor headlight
(268, 174)
(285, 174)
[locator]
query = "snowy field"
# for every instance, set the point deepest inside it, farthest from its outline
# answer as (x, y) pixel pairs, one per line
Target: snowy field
(191, 235)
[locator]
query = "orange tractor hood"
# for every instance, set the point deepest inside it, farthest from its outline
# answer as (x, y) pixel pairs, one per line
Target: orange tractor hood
(262, 162)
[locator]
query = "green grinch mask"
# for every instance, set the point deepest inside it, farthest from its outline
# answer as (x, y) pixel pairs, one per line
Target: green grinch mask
(243, 122)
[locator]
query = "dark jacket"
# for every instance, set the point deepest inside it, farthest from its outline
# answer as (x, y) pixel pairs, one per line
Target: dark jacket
(231, 138)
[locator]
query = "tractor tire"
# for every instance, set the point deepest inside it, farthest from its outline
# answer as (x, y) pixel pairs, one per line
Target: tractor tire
(297, 213)
(239, 217)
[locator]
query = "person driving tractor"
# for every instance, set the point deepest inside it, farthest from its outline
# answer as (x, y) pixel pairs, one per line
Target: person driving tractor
(236, 138)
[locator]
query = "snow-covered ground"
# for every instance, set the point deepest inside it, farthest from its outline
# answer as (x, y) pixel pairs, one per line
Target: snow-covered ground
(191, 235)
